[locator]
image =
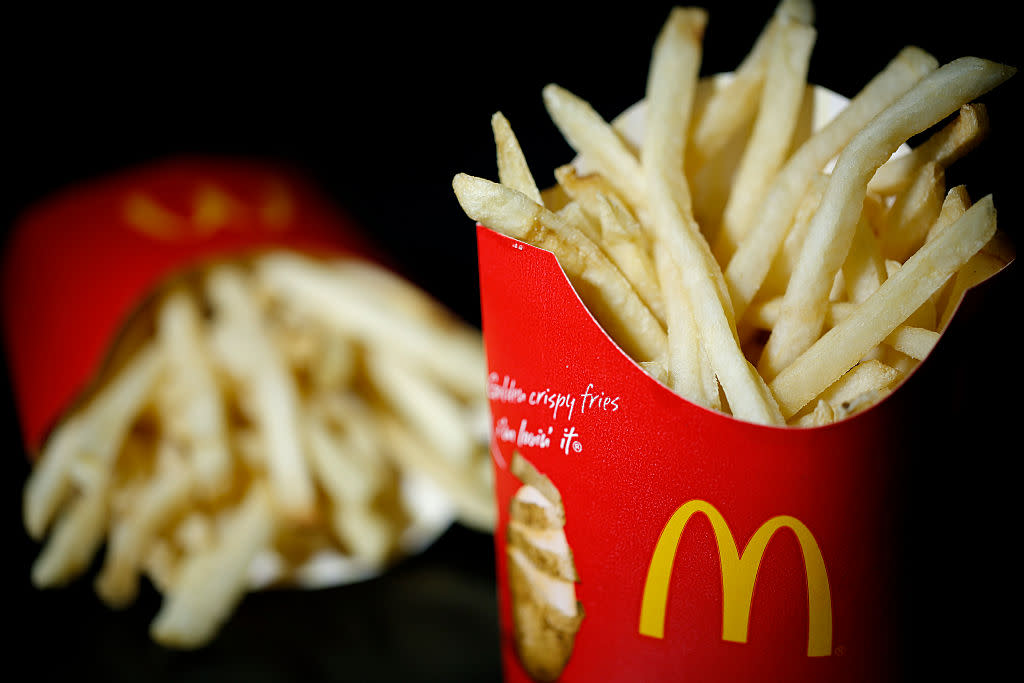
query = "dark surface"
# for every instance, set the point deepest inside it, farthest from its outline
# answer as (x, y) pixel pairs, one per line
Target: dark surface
(382, 108)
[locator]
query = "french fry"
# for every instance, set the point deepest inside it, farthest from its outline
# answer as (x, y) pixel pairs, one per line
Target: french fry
(164, 495)
(513, 170)
(212, 582)
(89, 441)
(944, 147)
(992, 258)
(831, 231)
(193, 409)
(914, 211)
(867, 376)
(475, 505)
(735, 104)
(916, 342)
(749, 265)
(426, 409)
(785, 260)
(592, 136)
(612, 299)
(75, 538)
(671, 83)
(456, 360)
(625, 245)
(820, 416)
(926, 271)
(864, 268)
(687, 368)
(270, 387)
(49, 483)
(773, 131)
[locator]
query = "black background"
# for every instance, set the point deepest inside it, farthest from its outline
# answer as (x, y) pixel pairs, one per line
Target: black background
(381, 105)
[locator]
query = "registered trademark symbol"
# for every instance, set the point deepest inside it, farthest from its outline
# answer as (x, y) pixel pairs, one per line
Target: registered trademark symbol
(839, 651)
(577, 446)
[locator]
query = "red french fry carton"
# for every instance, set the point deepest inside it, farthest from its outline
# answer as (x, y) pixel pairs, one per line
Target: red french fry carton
(641, 537)
(78, 264)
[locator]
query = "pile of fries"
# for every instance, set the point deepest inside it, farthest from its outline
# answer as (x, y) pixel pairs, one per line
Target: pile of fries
(270, 419)
(779, 272)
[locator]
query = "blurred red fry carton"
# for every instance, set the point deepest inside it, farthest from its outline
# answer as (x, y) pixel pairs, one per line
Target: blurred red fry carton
(78, 264)
(642, 537)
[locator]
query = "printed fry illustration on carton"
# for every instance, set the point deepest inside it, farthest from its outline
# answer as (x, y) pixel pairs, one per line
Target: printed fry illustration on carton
(541, 574)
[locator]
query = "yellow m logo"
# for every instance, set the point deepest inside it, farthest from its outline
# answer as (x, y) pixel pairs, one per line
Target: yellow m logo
(212, 209)
(738, 575)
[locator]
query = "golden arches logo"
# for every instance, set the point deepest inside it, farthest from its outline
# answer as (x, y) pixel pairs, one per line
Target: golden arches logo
(212, 209)
(738, 574)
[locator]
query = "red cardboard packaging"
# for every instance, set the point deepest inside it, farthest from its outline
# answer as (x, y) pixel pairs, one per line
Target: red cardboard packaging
(642, 537)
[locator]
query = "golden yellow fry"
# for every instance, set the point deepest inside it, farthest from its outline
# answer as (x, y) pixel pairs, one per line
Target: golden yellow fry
(351, 482)
(424, 406)
(395, 293)
(687, 368)
(211, 583)
(164, 495)
(913, 340)
(858, 403)
(192, 407)
(820, 416)
(658, 369)
(76, 536)
(916, 342)
(748, 267)
(194, 532)
(269, 387)
(585, 191)
(593, 138)
(623, 241)
(575, 215)
(831, 231)
(844, 345)
(346, 478)
(454, 356)
(554, 197)
(162, 564)
(955, 204)
(864, 268)
(89, 441)
(49, 483)
(734, 105)
(866, 376)
(604, 289)
(584, 188)
(944, 147)
(912, 214)
(367, 534)
(993, 257)
(670, 87)
(335, 365)
(513, 170)
(769, 142)
(472, 496)
(785, 260)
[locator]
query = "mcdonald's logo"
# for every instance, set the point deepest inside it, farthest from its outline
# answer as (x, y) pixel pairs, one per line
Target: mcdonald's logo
(738, 574)
(212, 209)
